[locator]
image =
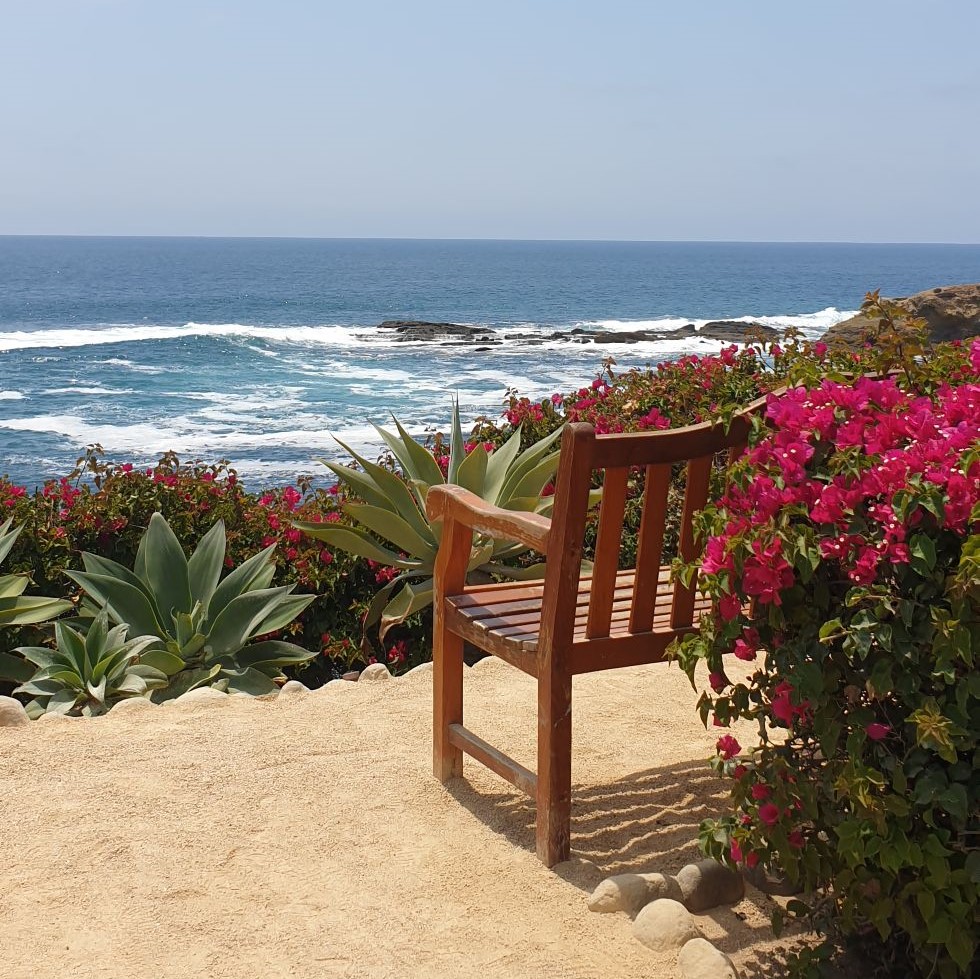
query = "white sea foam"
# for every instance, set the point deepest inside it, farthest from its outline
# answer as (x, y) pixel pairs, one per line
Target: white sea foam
(11, 395)
(95, 390)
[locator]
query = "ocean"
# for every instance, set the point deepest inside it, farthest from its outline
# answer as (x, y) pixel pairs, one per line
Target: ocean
(261, 350)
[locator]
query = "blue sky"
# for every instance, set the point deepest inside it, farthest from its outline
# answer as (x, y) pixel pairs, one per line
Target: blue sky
(716, 120)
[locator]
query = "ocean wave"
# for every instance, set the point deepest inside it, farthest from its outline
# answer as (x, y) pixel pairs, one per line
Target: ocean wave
(95, 390)
(11, 395)
(340, 336)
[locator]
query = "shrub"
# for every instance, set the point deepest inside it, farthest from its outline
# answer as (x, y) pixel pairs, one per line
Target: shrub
(845, 566)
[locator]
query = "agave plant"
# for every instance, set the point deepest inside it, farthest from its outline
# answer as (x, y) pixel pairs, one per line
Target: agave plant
(391, 526)
(16, 608)
(205, 624)
(87, 673)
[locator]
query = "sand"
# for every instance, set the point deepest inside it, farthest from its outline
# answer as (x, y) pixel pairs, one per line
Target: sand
(306, 837)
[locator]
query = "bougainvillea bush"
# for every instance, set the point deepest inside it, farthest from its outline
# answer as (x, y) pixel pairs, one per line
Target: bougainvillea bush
(844, 561)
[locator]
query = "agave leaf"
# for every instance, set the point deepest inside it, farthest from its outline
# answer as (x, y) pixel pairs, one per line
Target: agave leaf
(132, 683)
(380, 600)
(238, 621)
(96, 690)
(532, 573)
(395, 495)
(527, 461)
(204, 566)
(481, 554)
(499, 464)
(273, 652)
(168, 663)
(124, 602)
(362, 484)
(407, 601)
(39, 655)
(153, 679)
(16, 669)
(187, 680)
(250, 681)
(62, 702)
(284, 613)
(394, 529)
(166, 568)
(12, 585)
(472, 472)
(246, 577)
(355, 541)
(457, 450)
(139, 565)
(71, 643)
(533, 481)
(426, 469)
(95, 639)
(8, 537)
(40, 687)
(30, 609)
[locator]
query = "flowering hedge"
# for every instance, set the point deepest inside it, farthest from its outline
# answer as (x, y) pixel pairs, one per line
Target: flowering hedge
(844, 561)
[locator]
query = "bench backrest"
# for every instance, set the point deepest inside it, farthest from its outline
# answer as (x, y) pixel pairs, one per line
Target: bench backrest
(583, 453)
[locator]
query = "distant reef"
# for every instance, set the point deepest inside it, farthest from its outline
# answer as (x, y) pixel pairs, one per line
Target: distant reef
(952, 313)
(727, 331)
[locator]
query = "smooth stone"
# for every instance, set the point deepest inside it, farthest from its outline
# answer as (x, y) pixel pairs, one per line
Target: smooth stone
(375, 673)
(699, 959)
(630, 892)
(292, 687)
(707, 884)
(200, 693)
(422, 669)
(52, 717)
(131, 704)
(12, 713)
(664, 925)
(352, 676)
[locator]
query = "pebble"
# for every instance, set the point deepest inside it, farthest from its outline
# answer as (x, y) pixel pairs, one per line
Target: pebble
(664, 925)
(630, 892)
(707, 884)
(12, 713)
(375, 673)
(293, 687)
(699, 959)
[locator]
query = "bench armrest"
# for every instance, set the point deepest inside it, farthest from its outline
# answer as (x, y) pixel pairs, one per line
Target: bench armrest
(455, 503)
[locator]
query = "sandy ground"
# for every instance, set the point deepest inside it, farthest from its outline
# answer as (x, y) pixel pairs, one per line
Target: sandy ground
(306, 837)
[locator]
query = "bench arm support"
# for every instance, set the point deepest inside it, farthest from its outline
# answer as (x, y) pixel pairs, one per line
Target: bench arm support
(451, 502)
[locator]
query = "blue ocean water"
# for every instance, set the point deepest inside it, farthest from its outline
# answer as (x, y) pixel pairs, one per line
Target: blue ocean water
(259, 350)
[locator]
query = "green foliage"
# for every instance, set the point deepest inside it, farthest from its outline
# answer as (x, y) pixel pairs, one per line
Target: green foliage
(87, 673)
(844, 565)
(206, 625)
(390, 525)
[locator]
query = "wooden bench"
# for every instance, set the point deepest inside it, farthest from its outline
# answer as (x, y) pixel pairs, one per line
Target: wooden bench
(568, 623)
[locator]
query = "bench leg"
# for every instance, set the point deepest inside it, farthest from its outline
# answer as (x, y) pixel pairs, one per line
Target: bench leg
(554, 797)
(447, 701)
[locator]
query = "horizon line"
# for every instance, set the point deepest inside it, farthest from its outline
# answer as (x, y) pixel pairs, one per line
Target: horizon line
(611, 241)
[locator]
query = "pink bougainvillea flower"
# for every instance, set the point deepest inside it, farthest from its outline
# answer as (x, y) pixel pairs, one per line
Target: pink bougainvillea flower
(877, 731)
(795, 840)
(760, 791)
(728, 747)
(736, 852)
(769, 814)
(729, 606)
(743, 650)
(717, 681)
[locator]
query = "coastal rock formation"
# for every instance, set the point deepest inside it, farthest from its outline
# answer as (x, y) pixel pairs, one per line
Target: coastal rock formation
(952, 312)
(725, 331)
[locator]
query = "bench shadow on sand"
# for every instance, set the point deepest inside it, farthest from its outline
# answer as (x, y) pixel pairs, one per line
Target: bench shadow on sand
(645, 822)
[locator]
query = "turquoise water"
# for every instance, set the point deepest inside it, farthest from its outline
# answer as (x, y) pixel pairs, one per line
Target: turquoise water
(258, 350)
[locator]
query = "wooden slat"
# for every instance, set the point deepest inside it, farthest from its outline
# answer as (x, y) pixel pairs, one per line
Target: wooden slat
(606, 562)
(649, 573)
(495, 760)
(695, 497)
(454, 502)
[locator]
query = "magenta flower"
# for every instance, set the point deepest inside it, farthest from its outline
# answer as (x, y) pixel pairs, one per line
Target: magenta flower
(877, 731)
(769, 814)
(728, 747)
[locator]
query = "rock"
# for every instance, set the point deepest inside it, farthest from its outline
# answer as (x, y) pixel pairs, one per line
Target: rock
(198, 694)
(293, 687)
(735, 331)
(12, 713)
(53, 717)
(423, 330)
(951, 312)
(630, 892)
(771, 882)
(352, 676)
(132, 704)
(375, 673)
(665, 925)
(707, 884)
(699, 959)
(423, 669)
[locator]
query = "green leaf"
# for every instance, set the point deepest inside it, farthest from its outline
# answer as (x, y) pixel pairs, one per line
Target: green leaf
(250, 681)
(124, 602)
(169, 664)
(239, 619)
(273, 652)
(407, 601)
(256, 572)
(356, 542)
(457, 451)
(166, 569)
(472, 472)
(205, 564)
(30, 609)
(13, 585)
(287, 610)
(14, 668)
(923, 552)
(393, 528)
(498, 466)
(362, 485)
(417, 462)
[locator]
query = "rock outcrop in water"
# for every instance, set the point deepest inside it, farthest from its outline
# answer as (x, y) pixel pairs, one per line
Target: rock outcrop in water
(725, 331)
(952, 312)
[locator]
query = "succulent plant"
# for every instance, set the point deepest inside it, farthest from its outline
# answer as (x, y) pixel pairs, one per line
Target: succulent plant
(206, 625)
(86, 674)
(16, 608)
(391, 524)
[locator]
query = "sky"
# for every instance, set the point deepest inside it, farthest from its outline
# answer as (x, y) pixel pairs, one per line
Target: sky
(541, 119)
